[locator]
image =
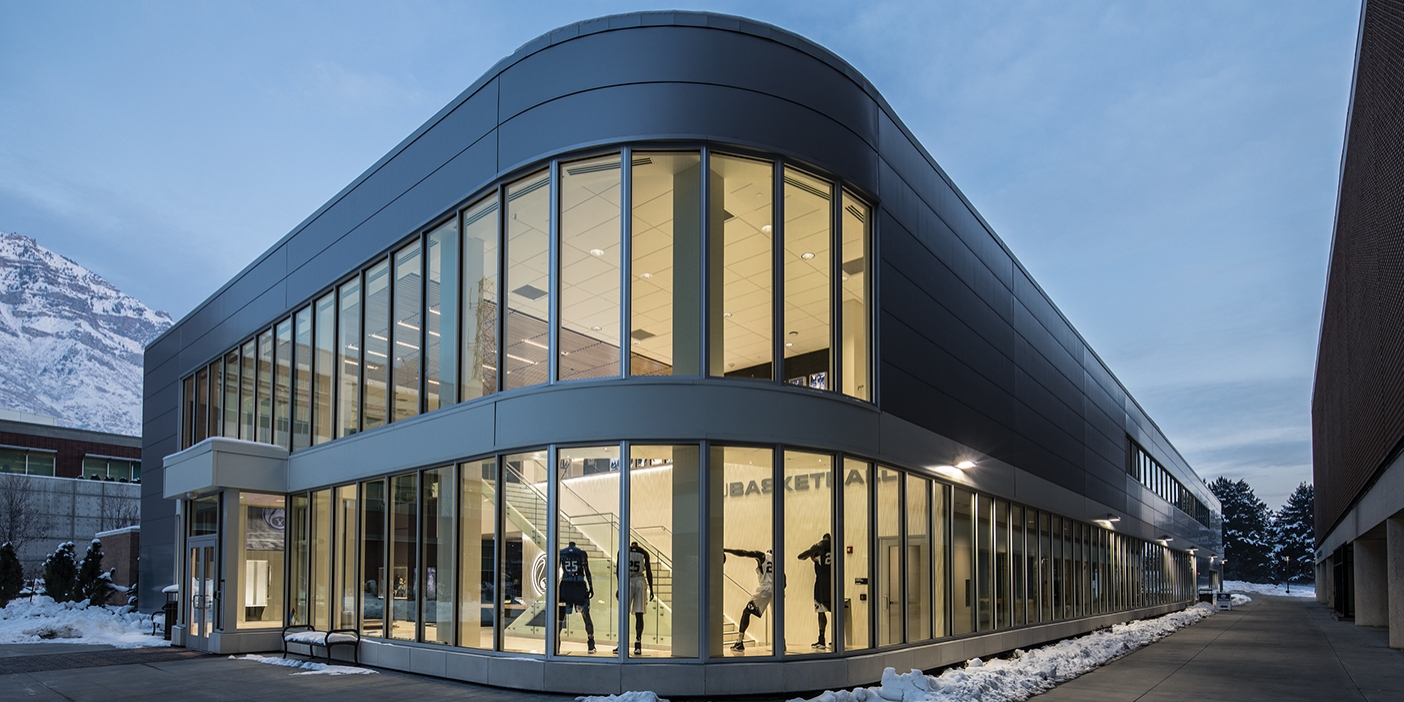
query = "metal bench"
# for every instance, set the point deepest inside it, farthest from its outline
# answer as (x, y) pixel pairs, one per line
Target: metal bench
(307, 636)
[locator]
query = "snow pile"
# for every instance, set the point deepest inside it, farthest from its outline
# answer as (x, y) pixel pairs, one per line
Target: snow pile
(626, 697)
(43, 620)
(1026, 673)
(306, 667)
(1277, 589)
(1239, 600)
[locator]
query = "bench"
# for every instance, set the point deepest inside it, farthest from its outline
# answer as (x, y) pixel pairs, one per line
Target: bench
(310, 637)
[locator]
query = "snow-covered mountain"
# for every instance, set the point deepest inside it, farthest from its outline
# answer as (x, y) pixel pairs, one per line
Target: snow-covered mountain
(70, 343)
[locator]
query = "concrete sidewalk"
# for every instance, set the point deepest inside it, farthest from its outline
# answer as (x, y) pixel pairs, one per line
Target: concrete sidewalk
(1274, 649)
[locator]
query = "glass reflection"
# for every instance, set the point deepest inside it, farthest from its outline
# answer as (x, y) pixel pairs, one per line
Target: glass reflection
(480, 307)
(528, 283)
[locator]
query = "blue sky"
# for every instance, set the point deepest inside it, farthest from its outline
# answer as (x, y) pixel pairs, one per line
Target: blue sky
(1167, 171)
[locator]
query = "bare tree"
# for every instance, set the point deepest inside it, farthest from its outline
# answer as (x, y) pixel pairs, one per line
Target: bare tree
(21, 520)
(119, 512)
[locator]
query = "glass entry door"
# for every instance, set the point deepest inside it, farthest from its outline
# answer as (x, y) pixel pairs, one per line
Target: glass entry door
(202, 594)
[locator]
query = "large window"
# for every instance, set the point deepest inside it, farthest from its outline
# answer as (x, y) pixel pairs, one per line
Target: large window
(460, 555)
(808, 487)
(587, 540)
(375, 341)
(606, 271)
(523, 562)
(31, 462)
(528, 286)
(740, 264)
(480, 301)
(589, 263)
(405, 351)
(808, 311)
(665, 305)
(742, 560)
(441, 316)
(261, 524)
(663, 553)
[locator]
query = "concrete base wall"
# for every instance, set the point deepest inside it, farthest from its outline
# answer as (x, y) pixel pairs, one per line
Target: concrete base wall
(1371, 582)
(1394, 527)
(70, 509)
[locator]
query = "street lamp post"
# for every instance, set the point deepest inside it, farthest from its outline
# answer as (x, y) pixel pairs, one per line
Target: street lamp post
(1287, 571)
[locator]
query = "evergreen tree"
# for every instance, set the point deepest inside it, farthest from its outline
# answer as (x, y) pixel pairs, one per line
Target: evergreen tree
(1246, 532)
(61, 574)
(11, 574)
(93, 586)
(1293, 530)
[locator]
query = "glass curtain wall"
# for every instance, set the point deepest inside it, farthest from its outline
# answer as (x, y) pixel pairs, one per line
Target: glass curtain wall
(477, 556)
(890, 601)
(940, 541)
(348, 355)
(437, 545)
(665, 305)
(247, 371)
(808, 264)
(404, 592)
(523, 563)
(321, 560)
(265, 387)
(962, 562)
(1003, 606)
(857, 558)
(441, 264)
(323, 367)
(299, 526)
(590, 265)
(587, 543)
(740, 265)
(261, 525)
(808, 487)
(527, 284)
(480, 306)
(664, 550)
(375, 588)
(918, 522)
(375, 342)
(282, 384)
(855, 351)
(302, 379)
(344, 557)
(741, 558)
(199, 427)
(408, 326)
(231, 395)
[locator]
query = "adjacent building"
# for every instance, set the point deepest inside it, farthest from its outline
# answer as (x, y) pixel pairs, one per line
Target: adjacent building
(664, 357)
(1357, 412)
(61, 484)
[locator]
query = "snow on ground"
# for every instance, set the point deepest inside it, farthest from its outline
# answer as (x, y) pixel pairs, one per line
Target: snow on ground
(1277, 589)
(1239, 599)
(306, 667)
(44, 620)
(626, 697)
(1026, 673)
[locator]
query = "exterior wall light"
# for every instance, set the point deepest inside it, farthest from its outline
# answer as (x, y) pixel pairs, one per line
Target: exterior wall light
(1165, 538)
(1107, 520)
(965, 465)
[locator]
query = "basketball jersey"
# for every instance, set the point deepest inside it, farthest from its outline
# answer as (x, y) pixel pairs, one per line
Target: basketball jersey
(823, 560)
(573, 564)
(638, 563)
(766, 573)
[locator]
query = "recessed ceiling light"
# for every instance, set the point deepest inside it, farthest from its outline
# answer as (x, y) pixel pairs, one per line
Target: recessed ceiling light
(596, 252)
(726, 314)
(766, 229)
(645, 276)
(845, 277)
(807, 255)
(789, 343)
(594, 328)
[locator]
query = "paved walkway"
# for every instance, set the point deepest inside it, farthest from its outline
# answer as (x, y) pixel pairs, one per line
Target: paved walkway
(1274, 649)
